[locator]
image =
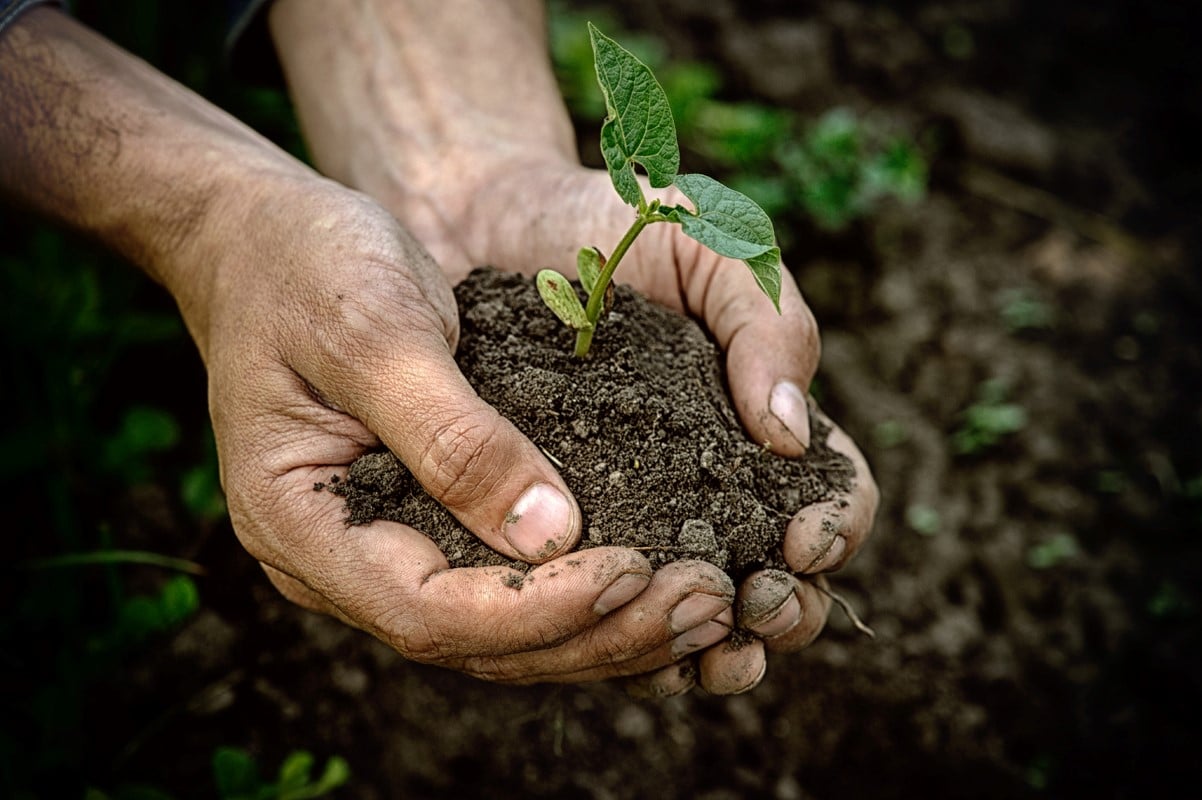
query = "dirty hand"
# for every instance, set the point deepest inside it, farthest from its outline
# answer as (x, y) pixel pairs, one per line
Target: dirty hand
(328, 331)
(339, 340)
(770, 361)
(448, 114)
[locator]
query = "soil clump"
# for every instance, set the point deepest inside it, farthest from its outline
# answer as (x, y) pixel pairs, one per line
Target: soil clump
(642, 431)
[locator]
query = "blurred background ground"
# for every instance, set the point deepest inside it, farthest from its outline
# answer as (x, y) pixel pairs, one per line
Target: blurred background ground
(993, 208)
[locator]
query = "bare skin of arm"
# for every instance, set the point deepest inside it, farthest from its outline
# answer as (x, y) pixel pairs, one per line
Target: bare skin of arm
(327, 330)
(447, 113)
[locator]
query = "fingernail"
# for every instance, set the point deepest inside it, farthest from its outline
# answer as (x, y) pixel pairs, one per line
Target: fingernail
(783, 621)
(694, 610)
(620, 592)
(539, 522)
(700, 637)
(788, 405)
(832, 557)
(758, 678)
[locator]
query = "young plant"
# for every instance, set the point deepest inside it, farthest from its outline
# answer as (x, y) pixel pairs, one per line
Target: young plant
(237, 776)
(639, 130)
(987, 421)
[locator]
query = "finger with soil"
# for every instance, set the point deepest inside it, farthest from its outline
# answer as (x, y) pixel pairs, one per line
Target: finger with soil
(685, 608)
(815, 606)
(732, 667)
(824, 536)
(671, 681)
(767, 604)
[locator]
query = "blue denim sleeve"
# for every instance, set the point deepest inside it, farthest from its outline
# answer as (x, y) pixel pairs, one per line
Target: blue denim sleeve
(248, 48)
(11, 9)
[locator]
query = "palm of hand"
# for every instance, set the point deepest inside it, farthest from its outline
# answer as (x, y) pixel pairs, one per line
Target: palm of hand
(764, 351)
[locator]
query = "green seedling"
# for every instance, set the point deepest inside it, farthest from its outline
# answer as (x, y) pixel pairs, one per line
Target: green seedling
(1022, 310)
(1053, 551)
(987, 421)
(639, 130)
(923, 519)
(237, 776)
(844, 166)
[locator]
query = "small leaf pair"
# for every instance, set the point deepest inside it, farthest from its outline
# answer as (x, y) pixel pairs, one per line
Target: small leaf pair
(559, 294)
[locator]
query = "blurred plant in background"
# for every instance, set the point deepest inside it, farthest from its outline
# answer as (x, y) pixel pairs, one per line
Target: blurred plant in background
(988, 420)
(236, 777)
(831, 171)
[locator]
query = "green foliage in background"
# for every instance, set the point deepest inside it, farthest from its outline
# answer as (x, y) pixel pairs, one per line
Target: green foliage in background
(236, 776)
(1022, 310)
(832, 170)
(844, 165)
(1053, 551)
(923, 518)
(988, 420)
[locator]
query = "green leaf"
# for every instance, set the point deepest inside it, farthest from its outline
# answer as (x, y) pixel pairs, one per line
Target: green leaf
(732, 225)
(295, 771)
(589, 263)
(1059, 548)
(235, 773)
(336, 773)
(178, 600)
(559, 295)
(638, 128)
(767, 271)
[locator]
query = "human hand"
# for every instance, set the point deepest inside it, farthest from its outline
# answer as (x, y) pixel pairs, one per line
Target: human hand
(770, 359)
(330, 332)
(476, 157)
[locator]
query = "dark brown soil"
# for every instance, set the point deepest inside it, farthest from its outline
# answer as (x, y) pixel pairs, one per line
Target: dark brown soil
(642, 430)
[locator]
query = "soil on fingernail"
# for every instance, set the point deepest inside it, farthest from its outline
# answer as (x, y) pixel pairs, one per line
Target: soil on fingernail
(766, 594)
(650, 444)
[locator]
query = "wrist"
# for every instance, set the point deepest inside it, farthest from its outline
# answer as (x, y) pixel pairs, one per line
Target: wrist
(419, 103)
(98, 140)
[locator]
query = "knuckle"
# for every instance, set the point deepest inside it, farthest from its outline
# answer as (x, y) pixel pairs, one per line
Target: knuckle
(459, 464)
(356, 323)
(807, 329)
(412, 637)
(493, 669)
(292, 590)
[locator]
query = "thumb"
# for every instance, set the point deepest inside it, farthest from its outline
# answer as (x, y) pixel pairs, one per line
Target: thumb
(479, 466)
(405, 387)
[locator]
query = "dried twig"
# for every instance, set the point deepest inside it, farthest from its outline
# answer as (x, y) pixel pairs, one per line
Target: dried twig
(551, 458)
(847, 609)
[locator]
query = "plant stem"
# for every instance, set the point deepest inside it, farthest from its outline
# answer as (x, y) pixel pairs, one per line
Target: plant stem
(596, 298)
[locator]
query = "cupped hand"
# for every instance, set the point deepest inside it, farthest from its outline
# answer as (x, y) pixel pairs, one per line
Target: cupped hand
(327, 332)
(526, 216)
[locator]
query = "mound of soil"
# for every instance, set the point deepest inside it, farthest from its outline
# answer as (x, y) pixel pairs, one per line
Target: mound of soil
(642, 431)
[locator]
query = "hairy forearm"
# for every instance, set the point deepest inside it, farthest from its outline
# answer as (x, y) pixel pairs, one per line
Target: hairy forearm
(99, 140)
(418, 96)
